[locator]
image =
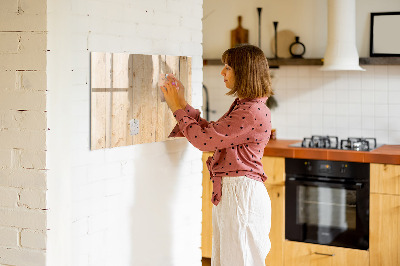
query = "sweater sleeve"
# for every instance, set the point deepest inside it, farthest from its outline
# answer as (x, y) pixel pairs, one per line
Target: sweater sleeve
(193, 113)
(229, 131)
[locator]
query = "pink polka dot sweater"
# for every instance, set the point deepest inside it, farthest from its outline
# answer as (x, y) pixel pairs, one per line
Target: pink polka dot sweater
(238, 139)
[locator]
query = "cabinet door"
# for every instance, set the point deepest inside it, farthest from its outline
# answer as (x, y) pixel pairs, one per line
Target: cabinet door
(304, 254)
(206, 232)
(384, 230)
(385, 178)
(274, 168)
(277, 233)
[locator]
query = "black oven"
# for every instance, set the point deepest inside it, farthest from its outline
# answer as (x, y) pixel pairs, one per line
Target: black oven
(327, 202)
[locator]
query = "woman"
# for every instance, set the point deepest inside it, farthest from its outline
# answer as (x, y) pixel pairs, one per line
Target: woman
(242, 208)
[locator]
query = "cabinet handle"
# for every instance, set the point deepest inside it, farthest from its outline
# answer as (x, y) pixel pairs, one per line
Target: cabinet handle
(324, 254)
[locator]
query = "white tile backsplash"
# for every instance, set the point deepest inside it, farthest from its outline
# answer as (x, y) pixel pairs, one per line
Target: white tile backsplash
(343, 103)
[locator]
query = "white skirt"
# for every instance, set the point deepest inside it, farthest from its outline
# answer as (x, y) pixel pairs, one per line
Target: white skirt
(241, 223)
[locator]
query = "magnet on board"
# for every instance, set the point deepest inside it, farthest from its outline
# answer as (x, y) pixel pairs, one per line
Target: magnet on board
(134, 127)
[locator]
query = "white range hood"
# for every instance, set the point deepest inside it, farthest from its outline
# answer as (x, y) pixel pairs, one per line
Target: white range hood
(341, 51)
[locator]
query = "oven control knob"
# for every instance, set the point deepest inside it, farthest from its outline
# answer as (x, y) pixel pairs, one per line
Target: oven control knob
(343, 168)
(308, 166)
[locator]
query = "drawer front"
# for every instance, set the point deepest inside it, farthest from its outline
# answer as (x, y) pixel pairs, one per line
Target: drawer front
(297, 253)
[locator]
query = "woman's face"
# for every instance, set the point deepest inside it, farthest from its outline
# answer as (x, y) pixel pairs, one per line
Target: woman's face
(229, 76)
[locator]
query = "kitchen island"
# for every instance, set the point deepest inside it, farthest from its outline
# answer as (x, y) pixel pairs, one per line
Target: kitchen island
(384, 207)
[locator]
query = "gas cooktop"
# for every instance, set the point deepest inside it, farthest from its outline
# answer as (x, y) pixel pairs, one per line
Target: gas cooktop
(332, 142)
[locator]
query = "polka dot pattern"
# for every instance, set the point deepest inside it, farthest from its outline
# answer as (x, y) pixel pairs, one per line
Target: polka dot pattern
(238, 139)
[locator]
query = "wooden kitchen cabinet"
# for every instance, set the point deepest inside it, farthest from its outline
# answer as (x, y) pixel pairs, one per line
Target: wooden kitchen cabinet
(385, 215)
(206, 225)
(385, 178)
(305, 254)
(277, 233)
(274, 168)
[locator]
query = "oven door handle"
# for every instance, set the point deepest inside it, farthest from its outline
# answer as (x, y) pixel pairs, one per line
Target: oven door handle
(357, 185)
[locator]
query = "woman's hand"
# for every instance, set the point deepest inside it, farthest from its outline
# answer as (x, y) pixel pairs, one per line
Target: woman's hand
(181, 90)
(172, 94)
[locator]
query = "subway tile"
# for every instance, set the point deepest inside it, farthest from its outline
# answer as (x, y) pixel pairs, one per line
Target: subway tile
(304, 72)
(394, 123)
(355, 109)
(394, 97)
(355, 132)
(380, 84)
(367, 109)
(355, 96)
(329, 109)
(292, 82)
(367, 82)
(367, 96)
(342, 109)
(342, 122)
(394, 137)
(382, 136)
(394, 71)
(367, 133)
(380, 71)
(394, 110)
(367, 122)
(381, 110)
(380, 97)
(381, 123)
(291, 71)
(355, 122)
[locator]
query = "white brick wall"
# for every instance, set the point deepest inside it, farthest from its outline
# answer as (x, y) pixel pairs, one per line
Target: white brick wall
(22, 132)
(136, 205)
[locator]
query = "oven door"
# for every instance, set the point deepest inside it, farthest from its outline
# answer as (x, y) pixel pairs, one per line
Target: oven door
(327, 213)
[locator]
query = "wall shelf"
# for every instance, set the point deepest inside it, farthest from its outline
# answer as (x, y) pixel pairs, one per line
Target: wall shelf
(274, 63)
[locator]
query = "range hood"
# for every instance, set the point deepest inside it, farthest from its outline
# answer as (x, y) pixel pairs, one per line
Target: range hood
(341, 51)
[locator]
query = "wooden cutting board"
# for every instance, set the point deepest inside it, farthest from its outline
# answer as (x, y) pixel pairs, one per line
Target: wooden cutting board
(239, 35)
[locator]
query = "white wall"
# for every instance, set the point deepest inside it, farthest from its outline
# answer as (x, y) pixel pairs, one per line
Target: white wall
(23, 133)
(311, 102)
(306, 19)
(136, 205)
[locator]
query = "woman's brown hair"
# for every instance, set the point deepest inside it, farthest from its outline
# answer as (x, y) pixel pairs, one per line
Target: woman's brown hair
(250, 66)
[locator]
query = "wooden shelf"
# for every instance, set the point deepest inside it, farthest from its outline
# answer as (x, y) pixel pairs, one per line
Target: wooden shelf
(273, 63)
(380, 61)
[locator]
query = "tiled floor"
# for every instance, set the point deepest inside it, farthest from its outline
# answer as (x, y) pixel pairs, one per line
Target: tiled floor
(206, 261)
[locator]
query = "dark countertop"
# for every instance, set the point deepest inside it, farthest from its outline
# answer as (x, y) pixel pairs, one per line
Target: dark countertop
(389, 154)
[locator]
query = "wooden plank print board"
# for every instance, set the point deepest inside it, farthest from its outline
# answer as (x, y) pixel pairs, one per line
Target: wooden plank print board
(126, 107)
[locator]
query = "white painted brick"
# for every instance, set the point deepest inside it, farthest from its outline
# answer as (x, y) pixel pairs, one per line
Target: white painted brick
(33, 199)
(34, 120)
(98, 222)
(8, 197)
(8, 237)
(23, 100)
(27, 60)
(17, 256)
(14, 139)
(8, 6)
(7, 80)
(23, 178)
(33, 239)
(20, 217)
(5, 158)
(33, 159)
(24, 22)
(30, 80)
(9, 42)
(36, 7)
